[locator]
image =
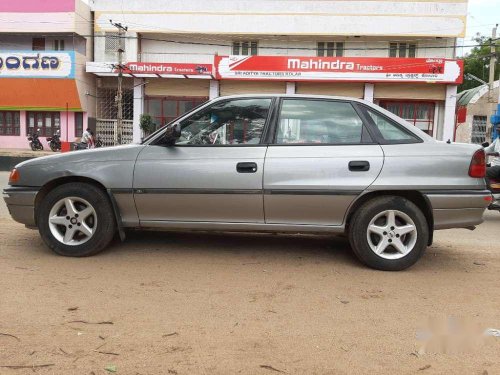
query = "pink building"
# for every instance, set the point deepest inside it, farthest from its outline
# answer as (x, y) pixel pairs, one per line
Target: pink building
(43, 84)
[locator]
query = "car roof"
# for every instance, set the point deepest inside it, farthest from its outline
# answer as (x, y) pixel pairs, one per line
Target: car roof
(311, 96)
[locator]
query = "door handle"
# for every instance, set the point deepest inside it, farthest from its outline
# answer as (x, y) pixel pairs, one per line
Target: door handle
(246, 167)
(359, 166)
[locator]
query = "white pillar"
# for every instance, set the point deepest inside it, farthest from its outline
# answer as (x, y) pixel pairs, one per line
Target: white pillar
(449, 112)
(290, 87)
(214, 89)
(138, 109)
(369, 91)
(436, 120)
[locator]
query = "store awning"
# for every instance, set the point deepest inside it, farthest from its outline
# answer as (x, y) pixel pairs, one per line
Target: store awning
(39, 94)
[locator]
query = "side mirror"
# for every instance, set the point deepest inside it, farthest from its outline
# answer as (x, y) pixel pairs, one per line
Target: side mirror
(172, 134)
(485, 144)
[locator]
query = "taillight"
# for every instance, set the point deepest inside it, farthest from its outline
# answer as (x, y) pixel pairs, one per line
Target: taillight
(14, 176)
(478, 165)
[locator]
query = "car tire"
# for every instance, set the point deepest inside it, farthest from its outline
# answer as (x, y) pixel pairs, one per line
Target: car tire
(76, 219)
(380, 247)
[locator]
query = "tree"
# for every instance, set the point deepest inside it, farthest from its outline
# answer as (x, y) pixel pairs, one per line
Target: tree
(477, 62)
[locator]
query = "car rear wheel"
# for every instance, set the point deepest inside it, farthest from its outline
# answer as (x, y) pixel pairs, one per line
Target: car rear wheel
(76, 219)
(389, 233)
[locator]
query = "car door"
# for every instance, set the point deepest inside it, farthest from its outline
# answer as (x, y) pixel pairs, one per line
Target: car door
(214, 171)
(321, 158)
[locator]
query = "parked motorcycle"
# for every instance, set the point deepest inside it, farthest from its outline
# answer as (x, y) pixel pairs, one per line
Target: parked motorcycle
(34, 140)
(55, 142)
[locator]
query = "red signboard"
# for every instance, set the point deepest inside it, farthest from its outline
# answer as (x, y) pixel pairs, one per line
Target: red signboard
(366, 69)
(167, 68)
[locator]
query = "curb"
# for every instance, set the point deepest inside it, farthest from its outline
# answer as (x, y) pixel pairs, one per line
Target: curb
(9, 162)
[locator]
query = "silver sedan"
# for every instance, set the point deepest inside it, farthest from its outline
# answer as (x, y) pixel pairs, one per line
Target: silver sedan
(266, 163)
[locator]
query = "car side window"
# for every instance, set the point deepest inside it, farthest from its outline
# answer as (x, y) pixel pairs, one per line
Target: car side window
(312, 121)
(390, 131)
(231, 122)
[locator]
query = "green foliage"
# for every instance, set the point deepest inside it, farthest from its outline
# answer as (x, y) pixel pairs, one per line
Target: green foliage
(477, 62)
(147, 125)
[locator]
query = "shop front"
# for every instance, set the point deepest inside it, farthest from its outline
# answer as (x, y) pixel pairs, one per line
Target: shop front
(420, 90)
(167, 98)
(38, 92)
(162, 90)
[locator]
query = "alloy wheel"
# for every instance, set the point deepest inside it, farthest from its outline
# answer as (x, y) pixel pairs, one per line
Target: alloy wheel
(72, 221)
(392, 234)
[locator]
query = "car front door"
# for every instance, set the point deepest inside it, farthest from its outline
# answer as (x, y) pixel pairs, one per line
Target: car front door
(214, 171)
(322, 157)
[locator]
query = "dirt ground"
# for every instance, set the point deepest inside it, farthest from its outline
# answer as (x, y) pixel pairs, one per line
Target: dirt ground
(164, 303)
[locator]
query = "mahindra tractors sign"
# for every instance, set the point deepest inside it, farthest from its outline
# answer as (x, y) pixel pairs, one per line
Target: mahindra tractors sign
(167, 68)
(371, 69)
(152, 69)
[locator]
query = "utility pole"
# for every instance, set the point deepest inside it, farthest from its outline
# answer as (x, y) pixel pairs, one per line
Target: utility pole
(119, 94)
(492, 63)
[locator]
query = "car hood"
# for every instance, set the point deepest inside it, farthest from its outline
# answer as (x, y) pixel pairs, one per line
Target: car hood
(104, 154)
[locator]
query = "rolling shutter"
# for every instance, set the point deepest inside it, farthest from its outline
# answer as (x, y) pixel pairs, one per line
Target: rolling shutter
(410, 91)
(251, 87)
(354, 90)
(177, 87)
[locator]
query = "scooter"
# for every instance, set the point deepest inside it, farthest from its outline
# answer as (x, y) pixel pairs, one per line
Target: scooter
(34, 140)
(98, 142)
(493, 186)
(80, 146)
(55, 142)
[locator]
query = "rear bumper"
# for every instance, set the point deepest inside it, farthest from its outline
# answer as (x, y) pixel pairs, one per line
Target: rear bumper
(20, 202)
(458, 209)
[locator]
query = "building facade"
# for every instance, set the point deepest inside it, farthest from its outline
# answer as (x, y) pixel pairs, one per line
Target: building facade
(44, 47)
(177, 54)
(474, 109)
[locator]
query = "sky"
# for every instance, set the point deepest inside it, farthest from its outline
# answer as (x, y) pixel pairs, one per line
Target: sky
(482, 15)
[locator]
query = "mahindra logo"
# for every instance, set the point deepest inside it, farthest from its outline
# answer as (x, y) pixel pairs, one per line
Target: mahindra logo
(320, 64)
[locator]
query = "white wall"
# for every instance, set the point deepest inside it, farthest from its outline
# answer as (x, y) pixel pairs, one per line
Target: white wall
(24, 42)
(194, 49)
(291, 17)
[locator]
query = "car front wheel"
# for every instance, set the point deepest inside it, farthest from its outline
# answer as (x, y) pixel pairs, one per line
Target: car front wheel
(76, 219)
(389, 233)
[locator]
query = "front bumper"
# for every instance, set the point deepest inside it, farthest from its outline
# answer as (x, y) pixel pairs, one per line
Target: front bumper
(458, 209)
(20, 202)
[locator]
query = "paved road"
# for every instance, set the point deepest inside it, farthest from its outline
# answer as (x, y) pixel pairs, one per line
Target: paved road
(226, 304)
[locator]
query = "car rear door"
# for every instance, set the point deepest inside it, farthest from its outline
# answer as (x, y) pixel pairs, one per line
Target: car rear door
(320, 159)
(213, 173)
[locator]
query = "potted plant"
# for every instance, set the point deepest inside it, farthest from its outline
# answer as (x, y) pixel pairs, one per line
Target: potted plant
(147, 125)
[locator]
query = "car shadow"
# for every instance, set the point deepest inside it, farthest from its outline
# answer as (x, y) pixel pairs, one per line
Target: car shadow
(244, 245)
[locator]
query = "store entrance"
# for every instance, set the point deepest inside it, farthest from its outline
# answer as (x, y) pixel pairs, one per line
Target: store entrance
(418, 113)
